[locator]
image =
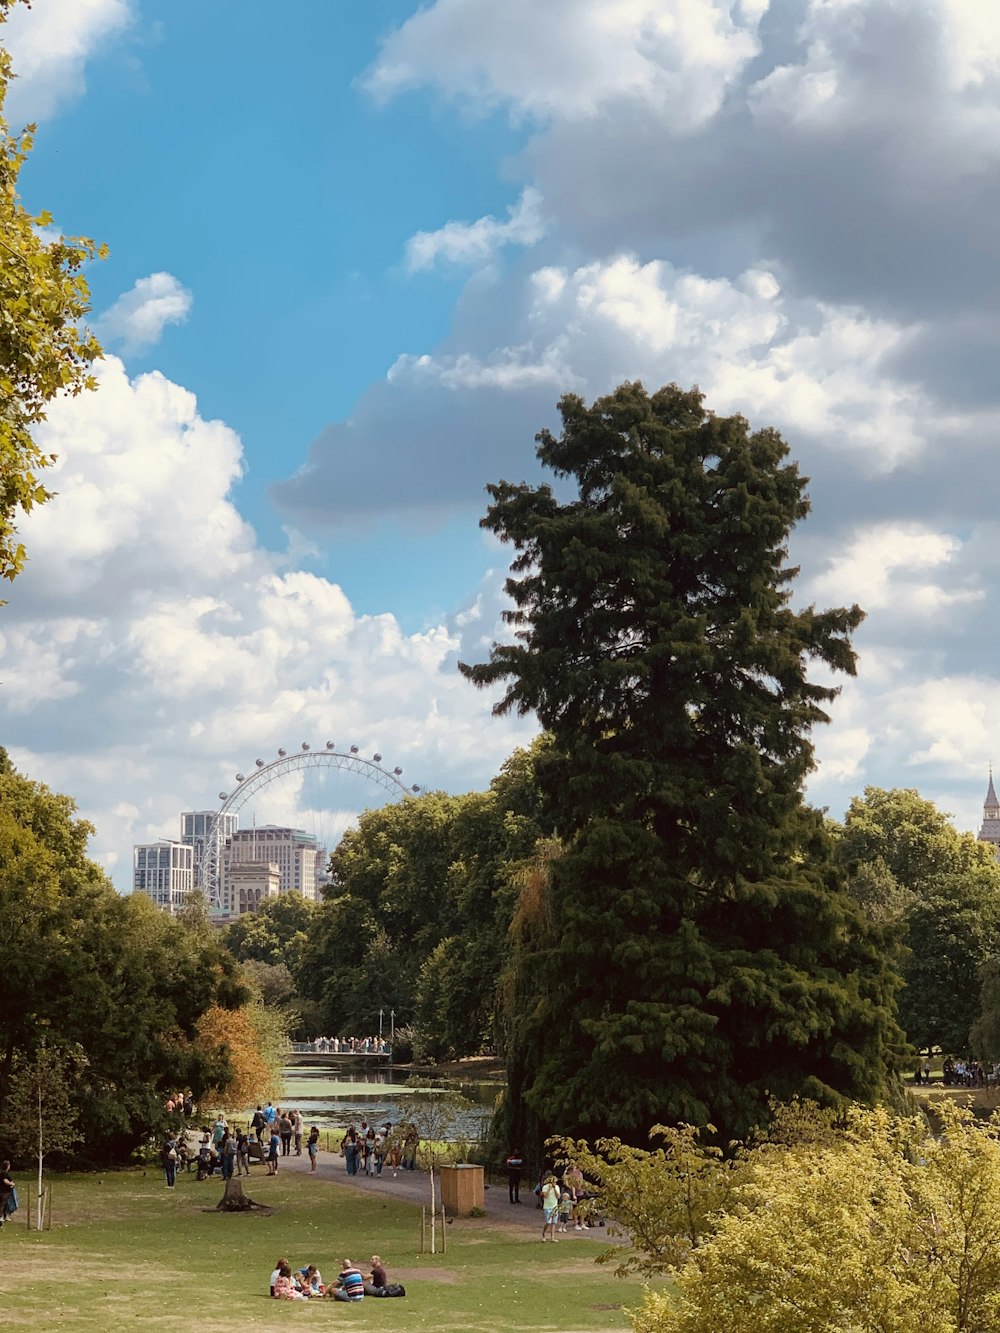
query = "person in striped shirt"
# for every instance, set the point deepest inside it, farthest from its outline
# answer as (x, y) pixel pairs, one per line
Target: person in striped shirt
(350, 1284)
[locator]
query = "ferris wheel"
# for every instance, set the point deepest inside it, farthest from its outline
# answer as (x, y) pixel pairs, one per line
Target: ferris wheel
(368, 777)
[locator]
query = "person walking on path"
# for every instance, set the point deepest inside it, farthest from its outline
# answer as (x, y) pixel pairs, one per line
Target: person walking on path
(297, 1131)
(285, 1130)
(312, 1147)
(515, 1165)
(272, 1153)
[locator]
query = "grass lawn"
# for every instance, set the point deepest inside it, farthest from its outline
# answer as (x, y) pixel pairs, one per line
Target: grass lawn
(126, 1253)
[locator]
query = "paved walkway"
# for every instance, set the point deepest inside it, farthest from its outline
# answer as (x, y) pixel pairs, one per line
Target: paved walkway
(414, 1187)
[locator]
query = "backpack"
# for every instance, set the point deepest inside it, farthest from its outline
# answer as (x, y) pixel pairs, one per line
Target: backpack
(393, 1289)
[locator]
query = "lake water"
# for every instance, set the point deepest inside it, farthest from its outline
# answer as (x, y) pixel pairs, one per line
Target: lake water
(334, 1098)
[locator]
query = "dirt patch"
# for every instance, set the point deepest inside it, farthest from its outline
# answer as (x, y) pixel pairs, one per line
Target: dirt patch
(449, 1276)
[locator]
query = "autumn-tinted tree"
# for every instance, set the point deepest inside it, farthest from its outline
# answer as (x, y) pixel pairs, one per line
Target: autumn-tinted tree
(44, 349)
(694, 951)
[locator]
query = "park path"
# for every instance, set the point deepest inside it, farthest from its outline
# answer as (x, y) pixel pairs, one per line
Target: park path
(414, 1187)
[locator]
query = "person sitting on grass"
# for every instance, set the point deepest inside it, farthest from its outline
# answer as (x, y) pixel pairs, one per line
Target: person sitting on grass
(279, 1264)
(284, 1287)
(378, 1278)
(350, 1284)
(311, 1281)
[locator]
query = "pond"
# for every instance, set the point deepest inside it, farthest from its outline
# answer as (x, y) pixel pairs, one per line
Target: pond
(334, 1098)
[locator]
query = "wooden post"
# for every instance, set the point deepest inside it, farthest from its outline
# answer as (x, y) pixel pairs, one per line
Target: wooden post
(423, 1222)
(444, 1243)
(48, 1207)
(28, 1197)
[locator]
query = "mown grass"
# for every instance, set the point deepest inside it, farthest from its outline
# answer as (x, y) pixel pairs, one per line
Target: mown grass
(126, 1253)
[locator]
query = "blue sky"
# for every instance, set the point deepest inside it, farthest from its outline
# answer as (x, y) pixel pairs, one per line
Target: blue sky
(359, 249)
(245, 159)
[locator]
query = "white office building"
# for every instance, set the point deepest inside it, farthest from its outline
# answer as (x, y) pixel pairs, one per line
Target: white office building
(195, 827)
(164, 871)
(298, 856)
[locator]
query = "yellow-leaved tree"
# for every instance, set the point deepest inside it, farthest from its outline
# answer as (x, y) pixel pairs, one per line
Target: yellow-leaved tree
(45, 349)
(883, 1229)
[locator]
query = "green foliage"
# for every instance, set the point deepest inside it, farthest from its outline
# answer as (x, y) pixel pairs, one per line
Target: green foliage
(664, 1200)
(882, 1228)
(272, 982)
(41, 1109)
(44, 351)
(416, 918)
(906, 834)
(940, 889)
(114, 977)
(693, 952)
(276, 934)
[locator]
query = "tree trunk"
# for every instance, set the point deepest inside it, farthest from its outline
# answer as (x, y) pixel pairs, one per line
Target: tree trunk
(234, 1200)
(41, 1157)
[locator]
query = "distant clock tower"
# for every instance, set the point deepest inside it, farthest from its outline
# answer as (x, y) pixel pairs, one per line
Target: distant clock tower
(990, 831)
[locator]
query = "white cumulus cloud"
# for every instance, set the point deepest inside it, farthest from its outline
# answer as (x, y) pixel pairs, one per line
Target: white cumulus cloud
(477, 242)
(571, 58)
(139, 316)
(50, 44)
(153, 647)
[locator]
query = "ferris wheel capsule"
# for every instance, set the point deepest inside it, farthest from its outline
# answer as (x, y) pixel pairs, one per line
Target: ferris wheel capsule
(306, 745)
(354, 749)
(414, 789)
(282, 753)
(259, 763)
(398, 772)
(329, 745)
(377, 758)
(223, 796)
(240, 777)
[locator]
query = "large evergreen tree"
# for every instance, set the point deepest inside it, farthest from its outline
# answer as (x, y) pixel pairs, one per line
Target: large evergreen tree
(690, 953)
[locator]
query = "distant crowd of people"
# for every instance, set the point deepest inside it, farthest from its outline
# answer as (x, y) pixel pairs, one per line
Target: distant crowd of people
(350, 1046)
(958, 1073)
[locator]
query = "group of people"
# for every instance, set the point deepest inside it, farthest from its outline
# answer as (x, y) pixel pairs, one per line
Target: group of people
(564, 1201)
(180, 1104)
(303, 1284)
(351, 1046)
(228, 1150)
(367, 1149)
(958, 1073)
